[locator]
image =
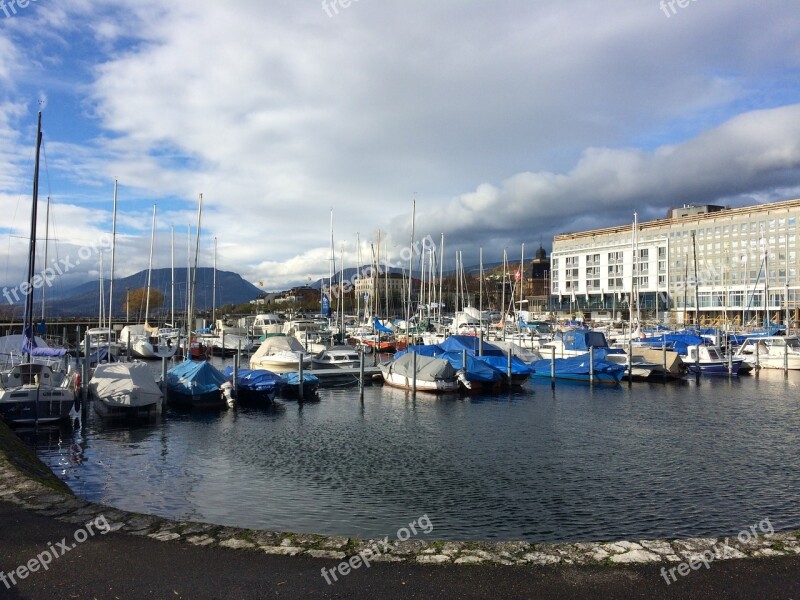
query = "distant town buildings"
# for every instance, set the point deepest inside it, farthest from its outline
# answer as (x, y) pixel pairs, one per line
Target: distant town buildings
(702, 263)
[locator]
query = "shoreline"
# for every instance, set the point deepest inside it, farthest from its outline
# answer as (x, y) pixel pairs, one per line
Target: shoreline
(28, 483)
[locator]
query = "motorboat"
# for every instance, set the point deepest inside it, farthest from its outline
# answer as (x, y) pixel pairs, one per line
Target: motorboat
(299, 386)
(101, 337)
(255, 387)
(580, 368)
(280, 354)
(125, 390)
(148, 342)
(195, 384)
(431, 374)
(578, 342)
(710, 360)
(338, 357)
(771, 352)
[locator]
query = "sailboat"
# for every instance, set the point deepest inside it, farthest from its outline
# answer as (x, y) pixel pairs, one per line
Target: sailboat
(145, 340)
(191, 383)
(40, 388)
(123, 389)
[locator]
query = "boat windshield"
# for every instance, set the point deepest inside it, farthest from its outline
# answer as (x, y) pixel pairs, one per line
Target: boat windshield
(793, 343)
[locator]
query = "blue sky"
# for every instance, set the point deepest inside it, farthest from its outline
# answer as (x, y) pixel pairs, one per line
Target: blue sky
(507, 121)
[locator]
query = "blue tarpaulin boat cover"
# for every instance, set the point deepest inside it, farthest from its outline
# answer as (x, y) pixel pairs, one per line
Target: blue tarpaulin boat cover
(578, 365)
(379, 327)
(257, 380)
(582, 340)
(293, 379)
(477, 370)
(675, 341)
(500, 363)
(194, 378)
(29, 346)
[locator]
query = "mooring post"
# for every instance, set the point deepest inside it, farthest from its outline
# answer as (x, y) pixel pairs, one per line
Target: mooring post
(236, 362)
(414, 363)
(591, 365)
(697, 364)
(664, 359)
(630, 358)
(361, 373)
(300, 373)
(553, 367)
(758, 362)
(508, 365)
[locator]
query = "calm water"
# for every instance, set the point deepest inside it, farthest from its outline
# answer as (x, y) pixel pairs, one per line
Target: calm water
(574, 464)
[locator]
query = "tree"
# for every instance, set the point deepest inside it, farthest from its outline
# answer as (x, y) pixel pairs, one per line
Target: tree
(136, 301)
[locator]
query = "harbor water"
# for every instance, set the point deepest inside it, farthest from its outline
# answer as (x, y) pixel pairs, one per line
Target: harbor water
(577, 463)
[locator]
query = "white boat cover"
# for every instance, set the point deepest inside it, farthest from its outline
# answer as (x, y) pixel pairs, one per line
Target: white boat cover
(125, 385)
(428, 368)
(277, 344)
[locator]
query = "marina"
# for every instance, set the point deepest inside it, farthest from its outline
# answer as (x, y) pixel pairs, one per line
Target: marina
(573, 463)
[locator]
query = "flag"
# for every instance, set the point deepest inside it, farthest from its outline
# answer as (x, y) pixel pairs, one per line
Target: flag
(517, 275)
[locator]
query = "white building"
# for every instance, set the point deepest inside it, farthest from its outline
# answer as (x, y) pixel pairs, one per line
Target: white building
(722, 259)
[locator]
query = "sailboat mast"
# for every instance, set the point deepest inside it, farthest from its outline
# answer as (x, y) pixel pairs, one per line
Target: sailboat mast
(194, 274)
(503, 301)
(214, 289)
(113, 258)
(150, 269)
(410, 269)
(441, 276)
(172, 275)
(32, 247)
(46, 238)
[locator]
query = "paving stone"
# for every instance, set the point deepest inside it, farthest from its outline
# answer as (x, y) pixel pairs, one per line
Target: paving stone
(283, 550)
(334, 542)
(435, 559)
(236, 544)
(600, 555)
(267, 538)
(201, 540)
(332, 554)
(482, 554)
(194, 528)
(635, 556)
(469, 560)
(387, 558)
(139, 522)
(541, 559)
(165, 536)
(409, 547)
(767, 552)
(658, 546)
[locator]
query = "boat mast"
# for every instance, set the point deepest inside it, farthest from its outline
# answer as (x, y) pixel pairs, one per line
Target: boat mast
(46, 238)
(172, 274)
(32, 247)
(503, 299)
(214, 289)
(194, 276)
(441, 276)
(696, 283)
(149, 271)
(410, 270)
(113, 258)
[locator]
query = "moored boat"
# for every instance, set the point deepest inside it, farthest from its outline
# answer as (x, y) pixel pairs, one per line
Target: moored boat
(431, 374)
(195, 384)
(125, 390)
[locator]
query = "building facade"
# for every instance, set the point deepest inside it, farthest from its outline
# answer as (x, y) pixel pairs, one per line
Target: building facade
(705, 264)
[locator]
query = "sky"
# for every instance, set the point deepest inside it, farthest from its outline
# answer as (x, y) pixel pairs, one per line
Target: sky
(503, 122)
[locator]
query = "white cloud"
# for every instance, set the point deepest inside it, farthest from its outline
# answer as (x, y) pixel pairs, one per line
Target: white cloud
(556, 115)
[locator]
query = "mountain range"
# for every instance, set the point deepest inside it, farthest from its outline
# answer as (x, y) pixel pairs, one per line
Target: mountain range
(84, 300)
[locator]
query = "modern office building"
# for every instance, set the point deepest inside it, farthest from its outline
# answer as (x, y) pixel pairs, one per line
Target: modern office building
(708, 261)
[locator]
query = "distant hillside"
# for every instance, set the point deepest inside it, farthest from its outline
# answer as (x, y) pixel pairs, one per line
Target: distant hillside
(84, 300)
